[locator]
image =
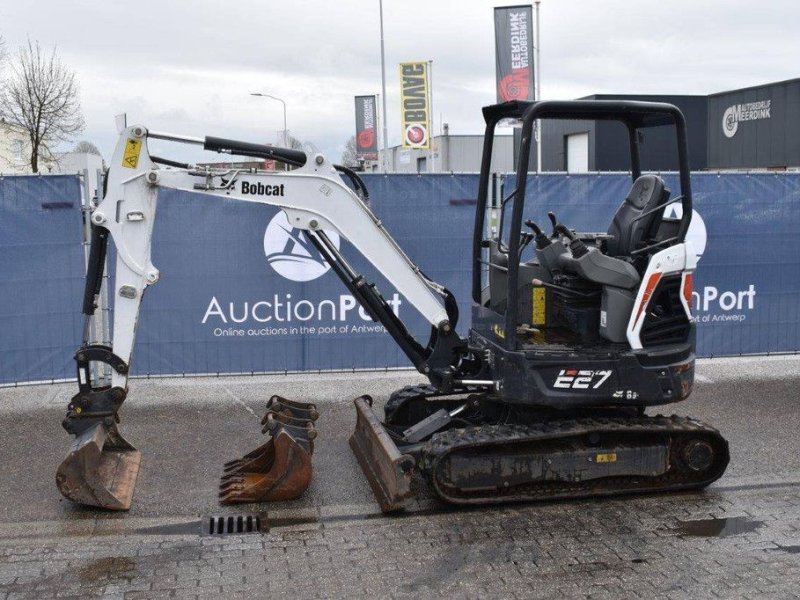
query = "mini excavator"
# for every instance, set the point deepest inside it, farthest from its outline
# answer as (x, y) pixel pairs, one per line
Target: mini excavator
(573, 334)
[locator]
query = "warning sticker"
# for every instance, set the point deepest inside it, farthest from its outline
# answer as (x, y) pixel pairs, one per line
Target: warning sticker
(606, 458)
(130, 159)
(539, 306)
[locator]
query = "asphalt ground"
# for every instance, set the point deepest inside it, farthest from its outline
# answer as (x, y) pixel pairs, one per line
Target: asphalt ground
(187, 428)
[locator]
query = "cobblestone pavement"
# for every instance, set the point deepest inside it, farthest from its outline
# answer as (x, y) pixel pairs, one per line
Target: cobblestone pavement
(639, 547)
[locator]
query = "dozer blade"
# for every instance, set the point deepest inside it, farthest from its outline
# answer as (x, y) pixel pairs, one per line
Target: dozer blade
(286, 466)
(387, 470)
(100, 469)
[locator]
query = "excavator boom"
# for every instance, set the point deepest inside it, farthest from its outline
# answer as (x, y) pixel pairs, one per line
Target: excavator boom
(101, 467)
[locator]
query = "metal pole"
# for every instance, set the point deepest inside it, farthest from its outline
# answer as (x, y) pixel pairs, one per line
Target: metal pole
(283, 102)
(383, 91)
(538, 92)
(430, 112)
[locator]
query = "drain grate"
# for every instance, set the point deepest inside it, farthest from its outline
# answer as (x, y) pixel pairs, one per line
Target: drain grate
(232, 524)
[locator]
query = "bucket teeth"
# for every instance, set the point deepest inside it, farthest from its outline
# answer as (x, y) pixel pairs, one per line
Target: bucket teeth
(279, 469)
(100, 469)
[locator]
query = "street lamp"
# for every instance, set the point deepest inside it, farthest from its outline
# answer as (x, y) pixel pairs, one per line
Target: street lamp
(285, 130)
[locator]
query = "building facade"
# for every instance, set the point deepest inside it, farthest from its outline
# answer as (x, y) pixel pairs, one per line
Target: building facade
(743, 129)
(451, 154)
(755, 128)
(14, 150)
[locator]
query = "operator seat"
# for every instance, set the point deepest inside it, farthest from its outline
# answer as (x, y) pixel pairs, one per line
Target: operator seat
(628, 229)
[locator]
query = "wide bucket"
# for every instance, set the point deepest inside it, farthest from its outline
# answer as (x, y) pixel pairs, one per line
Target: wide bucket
(100, 469)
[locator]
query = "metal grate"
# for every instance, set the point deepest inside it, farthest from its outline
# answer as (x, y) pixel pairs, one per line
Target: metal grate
(232, 524)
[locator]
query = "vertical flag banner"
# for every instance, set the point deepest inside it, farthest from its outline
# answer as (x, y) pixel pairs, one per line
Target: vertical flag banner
(415, 105)
(366, 132)
(513, 39)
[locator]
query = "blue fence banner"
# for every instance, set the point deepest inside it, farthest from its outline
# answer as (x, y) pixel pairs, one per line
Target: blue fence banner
(41, 276)
(241, 291)
(745, 229)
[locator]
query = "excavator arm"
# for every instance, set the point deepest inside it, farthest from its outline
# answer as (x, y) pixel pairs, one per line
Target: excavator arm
(101, 468)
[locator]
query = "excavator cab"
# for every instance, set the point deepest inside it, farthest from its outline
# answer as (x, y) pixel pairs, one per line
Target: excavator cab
(598, 299)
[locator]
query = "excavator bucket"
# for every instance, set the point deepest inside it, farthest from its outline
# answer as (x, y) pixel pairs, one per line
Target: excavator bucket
(100, 469)
(280, 469)
(387, 470)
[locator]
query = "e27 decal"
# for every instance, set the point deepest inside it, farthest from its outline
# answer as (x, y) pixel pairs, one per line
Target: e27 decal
(574, 379)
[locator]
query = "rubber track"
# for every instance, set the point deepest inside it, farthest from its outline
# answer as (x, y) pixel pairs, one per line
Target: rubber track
(442, 444)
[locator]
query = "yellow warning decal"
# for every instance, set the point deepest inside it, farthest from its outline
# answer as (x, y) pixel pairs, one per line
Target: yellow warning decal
(606, 458)
(499, 331)
(130, 159)
(539, 305)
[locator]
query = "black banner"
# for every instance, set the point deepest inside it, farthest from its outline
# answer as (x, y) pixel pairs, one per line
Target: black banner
(513, 38)
(366, 130)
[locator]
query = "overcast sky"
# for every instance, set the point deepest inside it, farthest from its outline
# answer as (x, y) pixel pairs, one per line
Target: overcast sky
(188, 66)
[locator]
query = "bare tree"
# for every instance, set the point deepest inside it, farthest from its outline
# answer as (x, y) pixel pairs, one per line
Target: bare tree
(350, 155)
(41, 97)
(87, 147)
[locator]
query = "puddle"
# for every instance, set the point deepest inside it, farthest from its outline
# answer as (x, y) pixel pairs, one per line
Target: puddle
(717, 527)
(109, 569)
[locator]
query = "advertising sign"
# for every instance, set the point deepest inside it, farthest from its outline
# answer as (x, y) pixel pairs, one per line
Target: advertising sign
(366, 130)
(415, 105)
(513, 38)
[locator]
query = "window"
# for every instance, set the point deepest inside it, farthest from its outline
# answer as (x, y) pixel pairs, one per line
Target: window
(17, 149)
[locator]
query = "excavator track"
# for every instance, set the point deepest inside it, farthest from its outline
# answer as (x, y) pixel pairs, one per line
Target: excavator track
(411, 393)
(573, 458)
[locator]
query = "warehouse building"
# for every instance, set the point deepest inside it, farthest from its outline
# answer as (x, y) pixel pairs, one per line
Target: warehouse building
(749, 128)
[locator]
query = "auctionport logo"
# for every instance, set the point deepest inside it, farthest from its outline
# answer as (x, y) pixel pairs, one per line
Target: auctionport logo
(291, 254)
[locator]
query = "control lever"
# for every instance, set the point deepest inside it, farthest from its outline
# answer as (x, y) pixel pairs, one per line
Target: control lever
(554, 221)
(576, 246)
(525, 239)
(542, 241)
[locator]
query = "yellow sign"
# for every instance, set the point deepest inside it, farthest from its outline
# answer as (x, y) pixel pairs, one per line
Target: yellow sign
(606, 458)
(415, 105)
(499, 331)
(539, 305)
(130, 159)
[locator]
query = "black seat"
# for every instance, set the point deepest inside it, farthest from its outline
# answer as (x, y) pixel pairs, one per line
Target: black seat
(628, 229)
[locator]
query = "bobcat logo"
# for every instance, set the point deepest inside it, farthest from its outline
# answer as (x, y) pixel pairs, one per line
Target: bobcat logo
(291, 254)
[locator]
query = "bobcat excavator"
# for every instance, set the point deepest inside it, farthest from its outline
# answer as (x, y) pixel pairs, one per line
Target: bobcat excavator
(573, 335)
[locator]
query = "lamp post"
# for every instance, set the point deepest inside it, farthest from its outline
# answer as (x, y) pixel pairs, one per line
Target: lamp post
(383, 90)
(285, 130)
